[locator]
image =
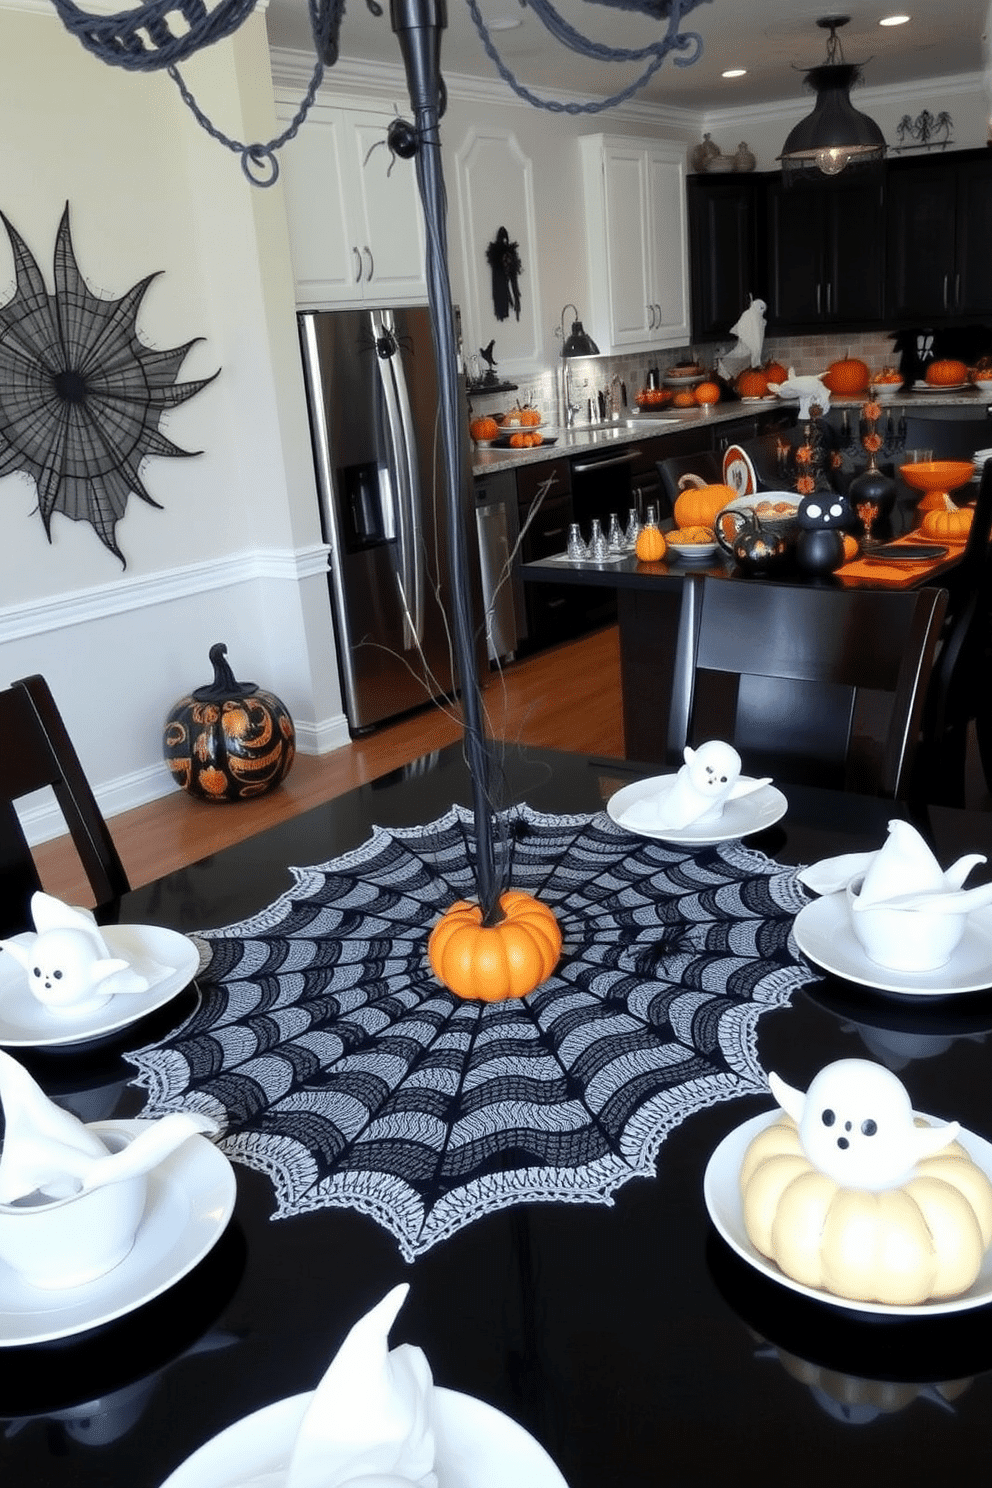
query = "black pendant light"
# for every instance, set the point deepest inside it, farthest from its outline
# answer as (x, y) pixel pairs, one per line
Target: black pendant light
(835, 136)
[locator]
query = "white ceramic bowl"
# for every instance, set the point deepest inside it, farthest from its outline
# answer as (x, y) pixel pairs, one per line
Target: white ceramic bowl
(886, 392)
(690, 552)
(905, 939)
(65, 1243)
(984, 384)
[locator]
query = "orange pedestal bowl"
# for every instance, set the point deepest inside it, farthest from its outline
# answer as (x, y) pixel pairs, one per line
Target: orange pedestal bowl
(937, 477)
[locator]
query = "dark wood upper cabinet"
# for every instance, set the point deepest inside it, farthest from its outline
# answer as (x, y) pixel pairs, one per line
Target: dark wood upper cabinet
(826, 253)
(726, 249)
(908, 246)
(940, 229)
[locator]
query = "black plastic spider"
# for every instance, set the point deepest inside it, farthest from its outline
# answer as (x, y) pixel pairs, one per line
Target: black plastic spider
(387, 343)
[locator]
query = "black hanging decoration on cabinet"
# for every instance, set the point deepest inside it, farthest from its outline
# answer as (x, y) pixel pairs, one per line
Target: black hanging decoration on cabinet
(504, 261)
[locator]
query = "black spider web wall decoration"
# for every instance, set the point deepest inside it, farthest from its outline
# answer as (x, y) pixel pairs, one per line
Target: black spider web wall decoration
(81, 397)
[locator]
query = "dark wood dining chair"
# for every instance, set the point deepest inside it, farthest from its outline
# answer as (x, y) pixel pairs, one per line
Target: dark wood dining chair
(37, 752)
(812, 685)
(959, 688)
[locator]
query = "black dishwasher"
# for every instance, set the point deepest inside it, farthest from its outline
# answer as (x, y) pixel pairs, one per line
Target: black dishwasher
(553, 612)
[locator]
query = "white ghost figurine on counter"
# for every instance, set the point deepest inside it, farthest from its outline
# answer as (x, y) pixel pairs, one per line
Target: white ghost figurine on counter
(68, 965)
(750, 333)
(808, 390)
(710, 777)
(856, 1125)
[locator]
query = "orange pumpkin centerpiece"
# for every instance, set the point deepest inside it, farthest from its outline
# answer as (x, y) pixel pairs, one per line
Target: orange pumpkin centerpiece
(490, 963)
(483, 428)
(775, 372)
(697, 504)
(945, 372)
(848, 376)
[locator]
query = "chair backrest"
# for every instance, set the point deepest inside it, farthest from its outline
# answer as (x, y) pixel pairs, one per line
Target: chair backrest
(949, 438)
(38, 752)
(811, 684)
(707, 465)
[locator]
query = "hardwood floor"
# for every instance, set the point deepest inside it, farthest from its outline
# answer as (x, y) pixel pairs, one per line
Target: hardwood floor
(566, 698)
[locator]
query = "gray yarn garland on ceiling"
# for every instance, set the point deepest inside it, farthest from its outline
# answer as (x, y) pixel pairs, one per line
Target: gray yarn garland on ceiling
(672, 11)
(144, 40)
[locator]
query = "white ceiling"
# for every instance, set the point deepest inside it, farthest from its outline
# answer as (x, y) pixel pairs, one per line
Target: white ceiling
(771, 38)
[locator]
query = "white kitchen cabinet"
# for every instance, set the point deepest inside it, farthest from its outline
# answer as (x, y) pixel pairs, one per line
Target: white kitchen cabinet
(636, 241)
(355, 223)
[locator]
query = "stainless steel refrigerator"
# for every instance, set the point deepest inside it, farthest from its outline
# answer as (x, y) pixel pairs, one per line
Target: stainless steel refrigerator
(376, 425)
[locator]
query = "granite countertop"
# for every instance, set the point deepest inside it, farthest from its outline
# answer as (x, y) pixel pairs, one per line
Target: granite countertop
(626, 431)
(654, 425)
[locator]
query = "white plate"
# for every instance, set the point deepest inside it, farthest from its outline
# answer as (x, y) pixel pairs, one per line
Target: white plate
(27, 1023)
(691, 552)
(939, 387)
(824, 933)
(721, 1191)
(190, 1200)
(477, 1447)
(762, 808)
(767, 398)
(738, 472)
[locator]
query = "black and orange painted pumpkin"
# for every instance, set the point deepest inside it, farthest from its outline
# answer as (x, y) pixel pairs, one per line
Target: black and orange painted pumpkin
(229, 740)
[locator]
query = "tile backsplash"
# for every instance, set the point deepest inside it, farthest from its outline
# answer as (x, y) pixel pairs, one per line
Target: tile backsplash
(807, 354)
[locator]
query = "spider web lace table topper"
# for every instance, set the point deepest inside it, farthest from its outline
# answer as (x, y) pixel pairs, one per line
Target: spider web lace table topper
(337, 1064)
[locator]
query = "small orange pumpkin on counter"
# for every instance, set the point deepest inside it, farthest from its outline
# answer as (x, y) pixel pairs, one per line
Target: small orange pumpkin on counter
(490, 963)
(945, 371)
(684, 399)
(752, 383)
(707, 392)
(697, 504)
(952, 526)
(849, 375)
(650, 545)
(483, 428)
(775, 372)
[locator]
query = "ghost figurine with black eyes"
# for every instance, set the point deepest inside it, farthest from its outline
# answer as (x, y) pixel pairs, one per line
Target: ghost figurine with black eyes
(851, 1193)
(697, 793)
(822, 519)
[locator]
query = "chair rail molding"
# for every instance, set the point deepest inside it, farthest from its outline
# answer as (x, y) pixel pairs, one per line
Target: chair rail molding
(123, 595)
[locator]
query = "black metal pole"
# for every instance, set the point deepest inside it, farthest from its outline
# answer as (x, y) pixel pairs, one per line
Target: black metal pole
(418, 24)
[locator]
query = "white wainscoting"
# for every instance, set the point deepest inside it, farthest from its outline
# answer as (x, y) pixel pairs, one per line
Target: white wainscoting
(117, 656)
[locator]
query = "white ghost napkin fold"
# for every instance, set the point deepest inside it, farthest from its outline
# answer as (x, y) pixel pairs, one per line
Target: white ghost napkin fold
(50, 1151)
(68, 964)
(902, 872)
(371, 1415)
(696, 794)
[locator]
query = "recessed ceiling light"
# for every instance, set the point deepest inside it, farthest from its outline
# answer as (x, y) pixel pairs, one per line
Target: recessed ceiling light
(894, 20)
(734, 72)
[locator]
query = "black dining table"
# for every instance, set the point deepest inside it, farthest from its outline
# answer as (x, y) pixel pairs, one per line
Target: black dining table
(626, 1337)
